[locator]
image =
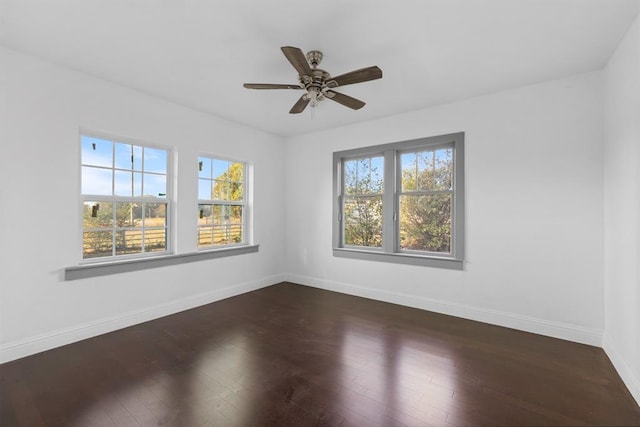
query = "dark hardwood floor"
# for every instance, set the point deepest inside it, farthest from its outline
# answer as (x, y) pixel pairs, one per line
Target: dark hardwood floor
(293, 355)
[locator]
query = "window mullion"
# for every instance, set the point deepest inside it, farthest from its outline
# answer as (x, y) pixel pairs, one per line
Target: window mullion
(389, 208)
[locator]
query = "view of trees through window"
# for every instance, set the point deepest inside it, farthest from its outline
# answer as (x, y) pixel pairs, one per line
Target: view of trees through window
(222, 202)
(425, 200)
(124, 206)
(425, 197)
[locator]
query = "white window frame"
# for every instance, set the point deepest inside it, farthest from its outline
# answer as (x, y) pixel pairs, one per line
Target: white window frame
(390, 250)
(168, 199)
(244, 203)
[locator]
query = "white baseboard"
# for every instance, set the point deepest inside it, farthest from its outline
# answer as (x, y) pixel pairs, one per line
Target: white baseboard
(510, 320)
(36, 344)
(631, 380)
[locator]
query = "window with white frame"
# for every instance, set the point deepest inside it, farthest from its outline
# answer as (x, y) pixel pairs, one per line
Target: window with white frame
(124, 195)
(222, 208)
(401, 202)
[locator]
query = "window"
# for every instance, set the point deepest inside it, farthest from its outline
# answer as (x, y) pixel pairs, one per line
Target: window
(124, 198)
(401, 202)
(222, 209)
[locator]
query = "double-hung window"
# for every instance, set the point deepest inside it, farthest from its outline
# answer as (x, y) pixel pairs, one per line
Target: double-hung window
(222, 207)
(124, 196)
(401, 202)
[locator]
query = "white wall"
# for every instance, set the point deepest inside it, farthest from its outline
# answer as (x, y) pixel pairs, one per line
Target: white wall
(43, 107)
(534, 213)
(622, 209)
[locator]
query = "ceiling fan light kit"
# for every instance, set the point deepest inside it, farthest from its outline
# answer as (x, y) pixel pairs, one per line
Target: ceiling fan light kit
(318, 83)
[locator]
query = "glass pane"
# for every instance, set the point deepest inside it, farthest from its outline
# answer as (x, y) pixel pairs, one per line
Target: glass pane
(425, 175)
(235, 191)
(204, 189)
(443, 179)
(137, 184)
(370, 174)
(155, 160)
(97, 215)
(155, 214)
(205, 236)
(205, 214)
(204, 167)
(220, 167)
(128, 242)
(96, 181)
(125, 155)
(97, 244)
(408, 165)
(154, 185)
(425, 223)
(96, 152)
(227, 235)
(128, 215)
(220, 190)
(236, 172)
(155, 240)
(350, 176)
(123, 183)
(363, 221)
(221, 214)
(235, 216)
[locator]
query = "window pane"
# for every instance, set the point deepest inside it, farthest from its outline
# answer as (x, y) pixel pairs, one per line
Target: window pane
(155, 214)
(220, 167)
(154, 185)
(155, 240)
(235, 216)
(205, 236)
(204, 167)
(204, 189)
(220, 214)
(155, 160)
(425, 223)
(96, 152)
(443, 175)
(408, 165)
(128, 242)
(369, 175)
(128, 215)
(236, 172)
(96, 181)
(235, 191)
(97, 244)
(123, 183)
(128, 156)
(205, 214)
(97, 215)
(363, 221)
(220, 190)
(227, 235)
(350, 176)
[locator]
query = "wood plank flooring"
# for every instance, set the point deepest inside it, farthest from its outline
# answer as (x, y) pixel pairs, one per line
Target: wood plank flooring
(294, 355)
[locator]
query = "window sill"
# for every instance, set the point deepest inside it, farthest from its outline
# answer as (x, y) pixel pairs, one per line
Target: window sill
(400, 258)
(115, 267)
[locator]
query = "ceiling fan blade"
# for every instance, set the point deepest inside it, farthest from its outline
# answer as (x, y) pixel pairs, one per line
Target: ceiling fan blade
(297, 59)
(299, 106)
(269, 86)
(357, 76)
(345, 100)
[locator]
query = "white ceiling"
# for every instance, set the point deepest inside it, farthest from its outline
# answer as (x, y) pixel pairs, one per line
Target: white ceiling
(198, 53)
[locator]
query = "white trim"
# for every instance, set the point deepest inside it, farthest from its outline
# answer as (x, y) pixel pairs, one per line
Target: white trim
(559, 330)
(36, 344)
(629, 378)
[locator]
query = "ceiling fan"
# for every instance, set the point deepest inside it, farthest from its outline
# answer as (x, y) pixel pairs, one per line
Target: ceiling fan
(317, 83)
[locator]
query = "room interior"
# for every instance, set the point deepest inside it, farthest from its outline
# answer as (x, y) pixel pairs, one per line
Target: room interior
(546, 92)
